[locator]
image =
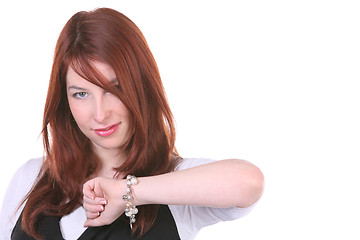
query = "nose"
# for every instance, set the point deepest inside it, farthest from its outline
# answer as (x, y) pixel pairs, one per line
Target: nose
(101, 110)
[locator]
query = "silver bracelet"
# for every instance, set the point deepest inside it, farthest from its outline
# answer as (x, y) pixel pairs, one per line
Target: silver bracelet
(130, 210)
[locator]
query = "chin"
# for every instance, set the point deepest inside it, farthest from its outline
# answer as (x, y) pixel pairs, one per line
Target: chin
(107, 146)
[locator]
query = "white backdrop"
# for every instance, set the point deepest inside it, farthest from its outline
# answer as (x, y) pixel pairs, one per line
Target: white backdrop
(272, 82)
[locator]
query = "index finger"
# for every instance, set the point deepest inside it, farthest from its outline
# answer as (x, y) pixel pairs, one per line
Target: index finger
(88, 189)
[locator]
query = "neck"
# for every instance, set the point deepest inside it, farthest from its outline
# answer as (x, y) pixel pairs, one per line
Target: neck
(109, 159)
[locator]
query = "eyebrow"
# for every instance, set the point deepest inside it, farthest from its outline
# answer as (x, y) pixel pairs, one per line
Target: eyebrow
(114, 81)
(76, 88)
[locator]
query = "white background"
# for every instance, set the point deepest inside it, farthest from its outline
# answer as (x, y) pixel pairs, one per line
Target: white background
(272, 82)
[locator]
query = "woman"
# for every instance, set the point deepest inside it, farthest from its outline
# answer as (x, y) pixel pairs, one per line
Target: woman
(106, 121)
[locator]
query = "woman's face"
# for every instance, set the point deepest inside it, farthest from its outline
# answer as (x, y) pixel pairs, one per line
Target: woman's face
(100, 115)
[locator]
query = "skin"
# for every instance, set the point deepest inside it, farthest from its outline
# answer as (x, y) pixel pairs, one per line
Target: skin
(221, 184)
(226, 183)
(94, 108)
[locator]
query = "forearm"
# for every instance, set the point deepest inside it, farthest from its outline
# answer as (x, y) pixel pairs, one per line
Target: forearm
(224, 183)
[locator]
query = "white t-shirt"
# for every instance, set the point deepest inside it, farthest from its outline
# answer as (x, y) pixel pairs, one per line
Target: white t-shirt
(189, 219)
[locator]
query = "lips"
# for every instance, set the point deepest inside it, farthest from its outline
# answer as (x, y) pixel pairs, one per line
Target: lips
(104, 132)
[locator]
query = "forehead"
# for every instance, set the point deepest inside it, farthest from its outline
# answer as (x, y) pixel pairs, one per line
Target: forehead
(97, 69)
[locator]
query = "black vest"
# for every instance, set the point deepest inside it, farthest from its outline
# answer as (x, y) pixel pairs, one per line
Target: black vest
(164, 228)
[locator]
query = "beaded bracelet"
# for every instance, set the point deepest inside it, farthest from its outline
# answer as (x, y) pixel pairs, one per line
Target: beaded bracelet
(130, 210)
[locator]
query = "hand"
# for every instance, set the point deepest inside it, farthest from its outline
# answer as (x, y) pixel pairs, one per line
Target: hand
(103, 201)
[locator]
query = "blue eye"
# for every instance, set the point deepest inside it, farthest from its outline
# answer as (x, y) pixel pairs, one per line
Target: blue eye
(80, 94)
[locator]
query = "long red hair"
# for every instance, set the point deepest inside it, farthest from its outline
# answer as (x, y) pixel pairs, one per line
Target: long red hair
(108, 36)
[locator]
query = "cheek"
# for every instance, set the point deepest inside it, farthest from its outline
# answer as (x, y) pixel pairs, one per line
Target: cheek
(129, 123)
(124, 112)
(79, 113)
(126, 116)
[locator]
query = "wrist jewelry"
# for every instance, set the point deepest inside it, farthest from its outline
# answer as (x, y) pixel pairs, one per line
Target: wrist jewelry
(130, 210)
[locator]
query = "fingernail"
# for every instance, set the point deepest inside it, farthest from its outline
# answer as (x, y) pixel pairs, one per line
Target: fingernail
(91, 197)
(104, 202)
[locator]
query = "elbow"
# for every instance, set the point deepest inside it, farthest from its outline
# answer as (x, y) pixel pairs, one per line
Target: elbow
(256, 185)
(251, 185)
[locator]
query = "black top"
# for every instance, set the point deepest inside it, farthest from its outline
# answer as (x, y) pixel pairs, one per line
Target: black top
(164, 228)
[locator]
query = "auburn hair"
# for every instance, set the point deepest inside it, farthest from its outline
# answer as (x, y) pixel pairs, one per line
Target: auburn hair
(108, 36)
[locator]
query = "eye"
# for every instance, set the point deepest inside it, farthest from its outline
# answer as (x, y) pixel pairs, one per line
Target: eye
(79, 95)
(115, 87)
(118, 87)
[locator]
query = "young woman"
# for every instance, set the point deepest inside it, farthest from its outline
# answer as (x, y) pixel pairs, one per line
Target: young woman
(111, 169)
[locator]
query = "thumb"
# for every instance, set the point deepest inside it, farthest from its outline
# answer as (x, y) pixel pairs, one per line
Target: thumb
(92, 223)
(92, 188)
(101, 220)
(97, 187)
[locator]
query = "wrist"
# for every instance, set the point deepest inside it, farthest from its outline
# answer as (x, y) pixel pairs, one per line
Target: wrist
(135, 196)
(130, 208)
(148, 191)
(137, 193)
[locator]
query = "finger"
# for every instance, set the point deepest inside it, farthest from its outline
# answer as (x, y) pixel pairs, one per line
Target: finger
(92, 188)
(90, 223)
(93, 208)
(95, 201)
(88, 189)
(94, 222)
(92, 215)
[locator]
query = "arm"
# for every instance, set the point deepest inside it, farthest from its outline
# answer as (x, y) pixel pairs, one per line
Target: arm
(226, 183)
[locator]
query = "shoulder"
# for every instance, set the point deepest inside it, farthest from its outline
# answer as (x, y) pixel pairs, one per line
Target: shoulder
(29, 171)
(21, 183)
(23, 179)
(26, 175)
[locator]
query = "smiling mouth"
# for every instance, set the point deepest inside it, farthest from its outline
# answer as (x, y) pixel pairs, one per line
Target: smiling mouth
(104, 132)
(107, 128)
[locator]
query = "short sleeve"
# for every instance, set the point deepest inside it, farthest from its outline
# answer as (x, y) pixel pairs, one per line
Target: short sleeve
(190, 219)
(19, 186)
